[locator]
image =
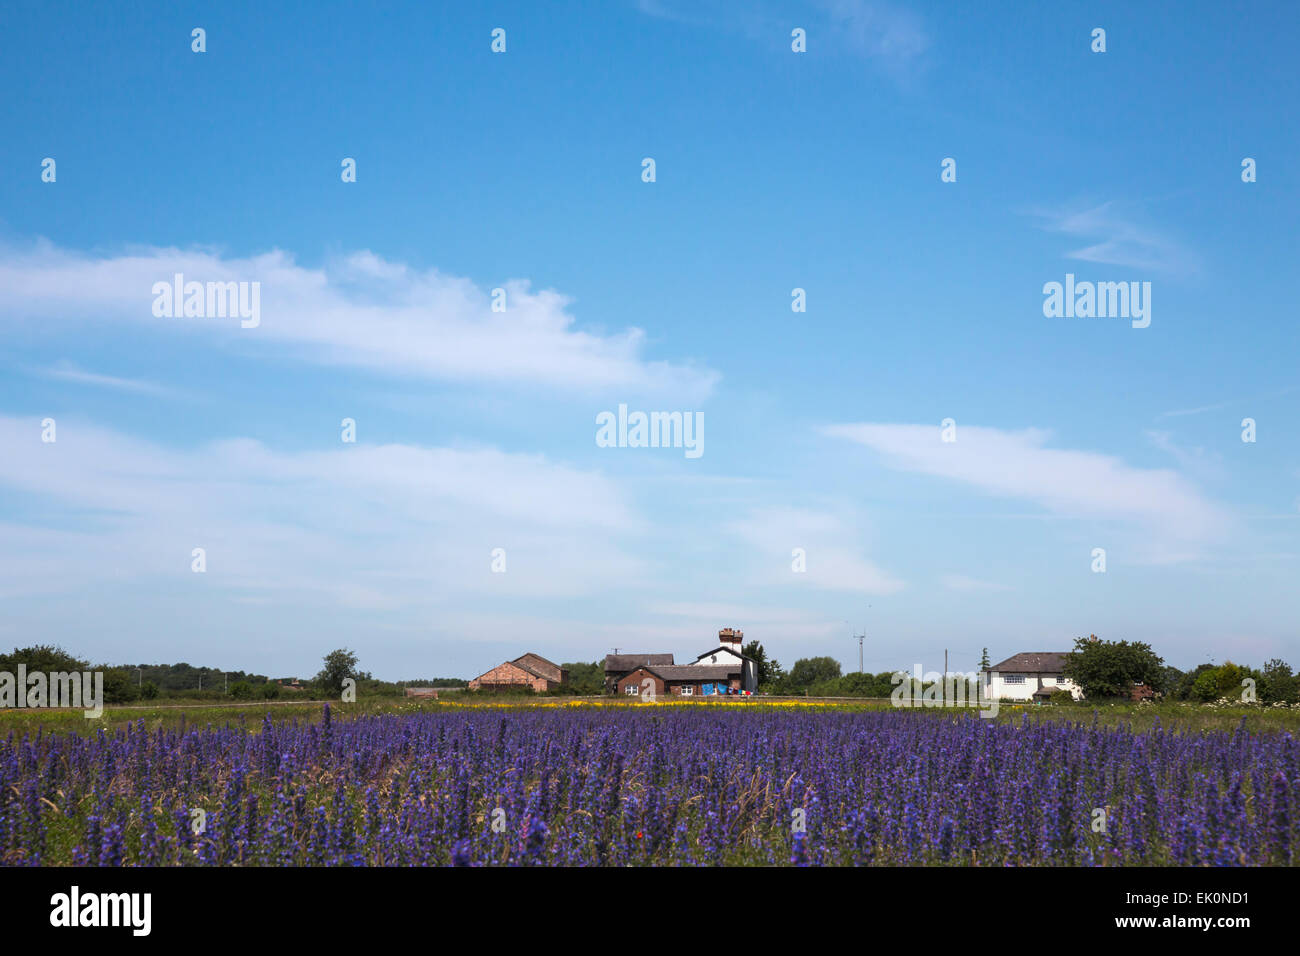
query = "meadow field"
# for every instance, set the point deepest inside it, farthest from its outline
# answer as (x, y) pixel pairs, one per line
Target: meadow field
(600, 782)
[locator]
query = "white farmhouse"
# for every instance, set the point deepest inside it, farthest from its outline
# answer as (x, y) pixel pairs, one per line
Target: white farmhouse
(1033, 674)
(727, 654)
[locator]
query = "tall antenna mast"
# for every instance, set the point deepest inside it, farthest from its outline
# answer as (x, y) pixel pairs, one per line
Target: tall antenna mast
(861, 637)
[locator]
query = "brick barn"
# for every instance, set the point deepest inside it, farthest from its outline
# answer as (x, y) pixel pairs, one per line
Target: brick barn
(682, 680)
(618, 666)
(530, 670)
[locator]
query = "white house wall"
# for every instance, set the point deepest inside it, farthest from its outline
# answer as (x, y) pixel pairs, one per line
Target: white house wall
(999, 689)
(748, 670)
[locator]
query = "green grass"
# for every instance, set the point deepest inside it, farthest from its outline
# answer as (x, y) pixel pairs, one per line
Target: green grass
(1172, 716)
(173, 716)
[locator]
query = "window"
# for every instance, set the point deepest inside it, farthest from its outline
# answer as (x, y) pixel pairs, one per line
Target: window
(687, 690)
(1013, 678)
(630, 690)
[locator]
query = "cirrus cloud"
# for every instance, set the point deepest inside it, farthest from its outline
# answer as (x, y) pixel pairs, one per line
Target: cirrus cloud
(1018, 464)
(359, 310)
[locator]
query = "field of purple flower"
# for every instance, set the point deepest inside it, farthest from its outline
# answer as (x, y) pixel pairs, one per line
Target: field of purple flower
(650, 786)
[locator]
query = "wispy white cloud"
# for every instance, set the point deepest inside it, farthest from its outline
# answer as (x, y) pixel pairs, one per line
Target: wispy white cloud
(888, 34)
(67, 372)
(1194, 460)
(1019, 465)
(885, 32)
(359, 310)
(1200, 410)
(357, 526)
(1117, 237)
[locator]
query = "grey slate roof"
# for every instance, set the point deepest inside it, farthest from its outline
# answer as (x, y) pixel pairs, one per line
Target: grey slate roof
(1032, 662)
(539, 666)
(694, 672)
(630, 662)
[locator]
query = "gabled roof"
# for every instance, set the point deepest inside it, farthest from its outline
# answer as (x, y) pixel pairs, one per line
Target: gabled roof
(630, 662)
(692, 672)
(723, 649)
(515, 664)
(1032, 662)
(528, 670)
(537, 666)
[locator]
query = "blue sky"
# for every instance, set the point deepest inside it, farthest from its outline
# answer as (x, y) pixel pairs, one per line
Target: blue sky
(522, 170)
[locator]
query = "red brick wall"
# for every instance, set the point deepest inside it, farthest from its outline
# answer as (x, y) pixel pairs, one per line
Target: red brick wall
(636, 679)
(548, 670)
(509, 675)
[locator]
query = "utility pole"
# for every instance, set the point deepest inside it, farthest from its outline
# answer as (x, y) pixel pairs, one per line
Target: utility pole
(227, 677)
(945, 667)
(861, 637)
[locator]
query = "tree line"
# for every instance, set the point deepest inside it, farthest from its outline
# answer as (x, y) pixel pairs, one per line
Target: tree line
(1102, 669)
(129, 683)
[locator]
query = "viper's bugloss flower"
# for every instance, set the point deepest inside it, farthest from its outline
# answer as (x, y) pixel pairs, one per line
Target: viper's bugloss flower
(672, 784)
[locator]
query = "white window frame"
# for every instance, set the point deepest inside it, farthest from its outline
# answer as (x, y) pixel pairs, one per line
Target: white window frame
(1013, 678)
(631, 690)
(686, 690)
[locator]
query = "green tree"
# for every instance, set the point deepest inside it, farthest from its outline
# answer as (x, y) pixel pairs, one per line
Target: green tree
(1111, 668)
(808, 671)
(47, 658)
(241, 690)
(1183, 690)
(984, 660)
(148, 690)
(339, 666)
(1206, 685)
(588, 678)
(270, 690)
(1222, 681)
(857, 685)
(1277, 684)
(1170, 680)
(769, 669)
(118, 686)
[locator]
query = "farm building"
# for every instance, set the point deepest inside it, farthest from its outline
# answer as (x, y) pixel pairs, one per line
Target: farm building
(529, 670)
(681, 680)
(618, 666)
(1026, 675)
(728, 654)
(716, 671)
